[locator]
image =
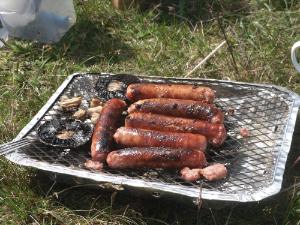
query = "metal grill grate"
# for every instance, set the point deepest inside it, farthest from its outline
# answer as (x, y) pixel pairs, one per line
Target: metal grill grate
(250, 161)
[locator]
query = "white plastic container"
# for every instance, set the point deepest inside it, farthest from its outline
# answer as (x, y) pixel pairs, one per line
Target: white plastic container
(41, 20)
(3, 33)
(295, 47)
(17, 13)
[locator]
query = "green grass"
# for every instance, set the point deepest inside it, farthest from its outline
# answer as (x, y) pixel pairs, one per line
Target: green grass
(162, 41)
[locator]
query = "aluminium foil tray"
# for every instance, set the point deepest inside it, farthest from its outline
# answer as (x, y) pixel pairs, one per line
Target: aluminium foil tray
(255, 164)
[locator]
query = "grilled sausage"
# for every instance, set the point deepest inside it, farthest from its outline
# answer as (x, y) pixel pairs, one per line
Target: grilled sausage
(179, 108)
(191, 175)
(215, 133)
(178, 91)
(131, 137)
(105, 128)
(154, 157)
(211, 173)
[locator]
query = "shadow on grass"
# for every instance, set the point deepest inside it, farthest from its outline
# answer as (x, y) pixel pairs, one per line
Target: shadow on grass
(86, 43)
(195, 11)
(89, 200)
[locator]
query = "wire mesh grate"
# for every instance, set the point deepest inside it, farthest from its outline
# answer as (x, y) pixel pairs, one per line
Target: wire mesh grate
(250, 161)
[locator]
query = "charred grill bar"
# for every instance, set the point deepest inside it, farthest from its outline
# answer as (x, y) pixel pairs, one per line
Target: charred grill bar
(255, 164)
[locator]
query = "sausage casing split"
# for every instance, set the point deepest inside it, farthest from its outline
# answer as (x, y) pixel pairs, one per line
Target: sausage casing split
(179, 108)
(105, 128)
(178, 91)
(215, 133)
(132, 137)
(155, 157)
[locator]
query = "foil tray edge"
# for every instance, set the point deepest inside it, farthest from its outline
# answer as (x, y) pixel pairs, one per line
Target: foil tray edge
(193, 193)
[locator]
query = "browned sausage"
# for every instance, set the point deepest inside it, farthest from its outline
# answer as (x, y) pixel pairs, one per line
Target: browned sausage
(105, 128)
(132, 137)
(155, 158)
(178, 91)
(179, 108)
(215, 133)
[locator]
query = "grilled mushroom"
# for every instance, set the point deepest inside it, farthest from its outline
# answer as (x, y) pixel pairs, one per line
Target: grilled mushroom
(95, 102)
(65, 133)
(79, 114)
(115, 86)
(69, 104)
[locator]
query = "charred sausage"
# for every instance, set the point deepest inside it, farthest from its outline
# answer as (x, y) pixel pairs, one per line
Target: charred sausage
(179, 108)
(215, 133)
(132, 137)
(154, 157)
(178, 91)
(105, 128)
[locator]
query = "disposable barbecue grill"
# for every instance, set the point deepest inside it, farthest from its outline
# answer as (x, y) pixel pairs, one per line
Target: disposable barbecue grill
(255, 164)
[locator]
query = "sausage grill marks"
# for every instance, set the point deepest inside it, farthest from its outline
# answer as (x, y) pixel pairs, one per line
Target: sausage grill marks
(155, 157)
(179, 108)
(168, 127)
(178, 91)
(105, 128)
(215, 133)
(132, 137)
